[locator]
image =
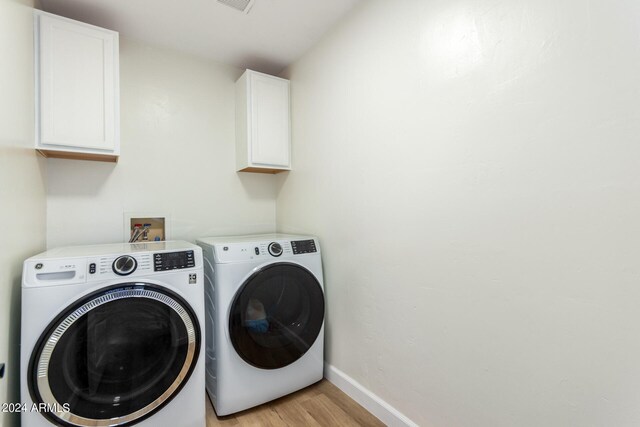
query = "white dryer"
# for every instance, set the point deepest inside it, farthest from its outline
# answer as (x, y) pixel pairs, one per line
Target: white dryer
(265, 318)
(111, 336)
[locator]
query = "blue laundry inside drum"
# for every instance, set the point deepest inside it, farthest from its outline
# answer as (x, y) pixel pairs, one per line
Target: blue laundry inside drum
(259, 326)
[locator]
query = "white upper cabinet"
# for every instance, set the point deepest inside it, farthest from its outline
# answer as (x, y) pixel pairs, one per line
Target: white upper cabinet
(77, 89)
(263, 128)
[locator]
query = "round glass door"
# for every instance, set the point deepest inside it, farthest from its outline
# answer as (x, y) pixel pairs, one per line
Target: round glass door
(115, 357)
(276, 316)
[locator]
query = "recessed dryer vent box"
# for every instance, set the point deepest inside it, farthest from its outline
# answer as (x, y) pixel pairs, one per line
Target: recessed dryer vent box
(158, 227)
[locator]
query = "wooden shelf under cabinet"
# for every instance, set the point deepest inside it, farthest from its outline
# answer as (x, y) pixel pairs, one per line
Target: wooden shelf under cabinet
(53, 154)
(263, 170)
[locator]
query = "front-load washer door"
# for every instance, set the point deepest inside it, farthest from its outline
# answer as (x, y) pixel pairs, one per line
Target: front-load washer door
(115, 357)
(276, 315)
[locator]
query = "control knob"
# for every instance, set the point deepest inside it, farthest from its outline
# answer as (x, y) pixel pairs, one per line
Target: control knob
(124, 265)
(275, 249)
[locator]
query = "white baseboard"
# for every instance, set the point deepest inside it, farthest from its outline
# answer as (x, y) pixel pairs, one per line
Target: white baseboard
(372, 403)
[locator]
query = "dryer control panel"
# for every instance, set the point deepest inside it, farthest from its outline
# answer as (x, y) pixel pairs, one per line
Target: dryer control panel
(270, 249)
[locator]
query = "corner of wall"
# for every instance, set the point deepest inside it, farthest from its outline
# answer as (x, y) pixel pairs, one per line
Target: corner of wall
(367, 399)
(24, 204)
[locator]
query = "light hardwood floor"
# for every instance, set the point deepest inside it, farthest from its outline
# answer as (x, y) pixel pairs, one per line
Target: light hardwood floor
(321, 404)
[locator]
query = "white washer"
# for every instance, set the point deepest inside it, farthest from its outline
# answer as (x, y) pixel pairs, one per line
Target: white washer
(112, 336)
(265, 318)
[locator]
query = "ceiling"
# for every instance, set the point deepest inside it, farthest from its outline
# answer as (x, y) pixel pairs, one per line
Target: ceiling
(271, 36)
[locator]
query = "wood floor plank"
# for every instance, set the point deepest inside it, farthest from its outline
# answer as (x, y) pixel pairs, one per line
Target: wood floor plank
(293, 413)
(321, 404)
(265, 416)
(327, 413)
(348, 405)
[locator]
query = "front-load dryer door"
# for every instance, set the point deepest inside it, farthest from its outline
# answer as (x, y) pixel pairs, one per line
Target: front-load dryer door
(276, 315)
(115, 357)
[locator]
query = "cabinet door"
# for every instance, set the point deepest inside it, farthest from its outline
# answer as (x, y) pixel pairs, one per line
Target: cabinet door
(78, 72)
(270, 128)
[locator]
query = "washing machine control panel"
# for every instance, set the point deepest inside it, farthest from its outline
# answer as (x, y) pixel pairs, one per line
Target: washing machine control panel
(163, 261)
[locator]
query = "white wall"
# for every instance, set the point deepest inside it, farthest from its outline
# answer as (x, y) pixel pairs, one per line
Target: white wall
(177, 158)
(22, 194)
(471, 168)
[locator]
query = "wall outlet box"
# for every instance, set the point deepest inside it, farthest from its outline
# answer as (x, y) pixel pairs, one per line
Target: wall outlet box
(158, 226)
